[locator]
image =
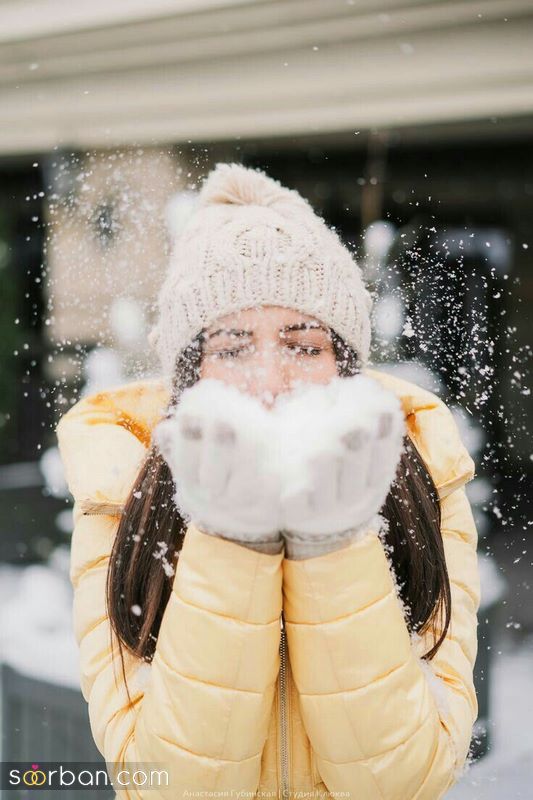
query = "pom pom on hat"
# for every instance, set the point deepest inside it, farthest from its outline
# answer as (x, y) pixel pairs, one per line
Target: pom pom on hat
(235, 184)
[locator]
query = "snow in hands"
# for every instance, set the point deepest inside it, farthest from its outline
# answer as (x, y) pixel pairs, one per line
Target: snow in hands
(321, 460)
(341, 443)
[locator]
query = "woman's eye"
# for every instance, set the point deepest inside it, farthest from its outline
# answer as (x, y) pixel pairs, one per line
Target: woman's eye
(305, 350)
(229, 352)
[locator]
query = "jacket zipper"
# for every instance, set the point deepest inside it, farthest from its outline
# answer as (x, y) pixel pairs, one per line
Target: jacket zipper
(283, 712)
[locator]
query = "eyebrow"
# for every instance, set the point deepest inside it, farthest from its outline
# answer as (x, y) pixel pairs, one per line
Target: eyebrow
(233, 331)
(303, 326)
(299, 326)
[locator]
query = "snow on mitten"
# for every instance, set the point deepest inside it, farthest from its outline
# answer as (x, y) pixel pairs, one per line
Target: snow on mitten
(343, 442)
(220, 446)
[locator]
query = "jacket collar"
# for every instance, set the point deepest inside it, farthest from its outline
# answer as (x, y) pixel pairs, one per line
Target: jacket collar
(433, 429)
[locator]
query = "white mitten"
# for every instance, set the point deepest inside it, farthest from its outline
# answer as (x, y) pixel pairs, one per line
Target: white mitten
(221, 450)
(342, 444)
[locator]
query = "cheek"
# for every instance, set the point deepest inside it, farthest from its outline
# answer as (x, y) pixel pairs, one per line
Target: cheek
(319, 369)
(223, 370)
(214, 369)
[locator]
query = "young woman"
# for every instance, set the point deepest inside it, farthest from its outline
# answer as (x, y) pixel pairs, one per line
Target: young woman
(285, 642)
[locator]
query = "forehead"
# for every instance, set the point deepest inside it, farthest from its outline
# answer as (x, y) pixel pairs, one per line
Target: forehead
(264, 317)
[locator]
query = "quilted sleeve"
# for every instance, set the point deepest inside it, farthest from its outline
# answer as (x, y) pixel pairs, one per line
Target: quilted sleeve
(201, 709)
(382, 723)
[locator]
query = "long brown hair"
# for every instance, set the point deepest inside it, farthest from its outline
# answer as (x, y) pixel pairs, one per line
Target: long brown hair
(151, 531)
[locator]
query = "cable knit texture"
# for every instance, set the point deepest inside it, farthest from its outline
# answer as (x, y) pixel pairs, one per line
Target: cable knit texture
(251, 241)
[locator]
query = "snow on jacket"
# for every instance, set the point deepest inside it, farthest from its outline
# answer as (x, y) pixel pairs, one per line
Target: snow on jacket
(345, 705)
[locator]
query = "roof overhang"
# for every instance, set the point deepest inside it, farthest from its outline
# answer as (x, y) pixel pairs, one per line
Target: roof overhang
(101, 74)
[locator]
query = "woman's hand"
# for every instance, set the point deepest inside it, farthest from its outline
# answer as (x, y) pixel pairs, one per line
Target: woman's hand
(220, 447)
(342, 445)
(317, 467)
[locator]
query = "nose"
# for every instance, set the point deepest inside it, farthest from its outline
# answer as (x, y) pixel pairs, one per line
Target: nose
(270, 376)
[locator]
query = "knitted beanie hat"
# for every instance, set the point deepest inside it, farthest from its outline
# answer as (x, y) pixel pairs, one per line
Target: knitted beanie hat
(251, 241)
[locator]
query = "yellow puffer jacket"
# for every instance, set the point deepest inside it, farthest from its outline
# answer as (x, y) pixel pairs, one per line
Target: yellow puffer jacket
(242, 700)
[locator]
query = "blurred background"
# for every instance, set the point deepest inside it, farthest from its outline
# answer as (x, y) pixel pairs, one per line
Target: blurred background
(408, 124)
